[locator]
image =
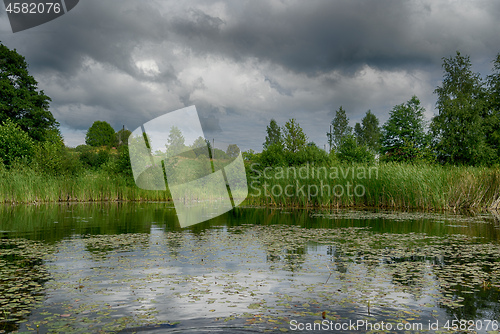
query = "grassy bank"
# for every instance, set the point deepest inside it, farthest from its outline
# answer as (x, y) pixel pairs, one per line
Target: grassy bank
(395, 186)
(24, 185)
(398, 186)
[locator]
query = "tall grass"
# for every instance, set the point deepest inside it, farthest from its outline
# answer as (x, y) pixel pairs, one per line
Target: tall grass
(24, 185)
(395, 186)
(398, 186)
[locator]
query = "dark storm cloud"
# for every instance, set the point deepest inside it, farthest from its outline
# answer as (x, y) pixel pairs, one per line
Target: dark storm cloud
(128, 61)
(104, 31)
(307, 36)
(317, 36)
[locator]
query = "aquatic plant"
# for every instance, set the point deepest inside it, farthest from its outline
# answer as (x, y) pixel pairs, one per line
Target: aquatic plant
(389, 185)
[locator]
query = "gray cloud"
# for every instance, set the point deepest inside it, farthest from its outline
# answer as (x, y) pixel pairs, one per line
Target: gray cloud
(243, 63)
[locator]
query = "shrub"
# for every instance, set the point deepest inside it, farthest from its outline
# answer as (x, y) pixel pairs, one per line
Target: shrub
(53, 158)
(408, 152)
(311, 154)
(272, 156)
(94, 159)
(14, 143)
(350, 151)
(123, 163)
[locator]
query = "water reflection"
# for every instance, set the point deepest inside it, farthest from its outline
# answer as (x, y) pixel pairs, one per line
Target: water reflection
(116, 265)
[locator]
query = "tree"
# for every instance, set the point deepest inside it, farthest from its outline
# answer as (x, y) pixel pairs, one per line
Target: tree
(200, 147)
(14, 143)
(494, 85)
(100, 134)
(458, 127)
(341, 128)
(271, 156)
(122, 137)
(492, 116)
(20, 100)
(370, 131)
(358, 133)
(294, 137)
(350, 151)
(273, 135)
(175, 141)
(405, 126)
(199, 142)
(233, 151)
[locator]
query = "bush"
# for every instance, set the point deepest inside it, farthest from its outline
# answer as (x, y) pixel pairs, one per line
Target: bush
(272, 156)
(408, 152)
(190, 154)
(83, 148)
(15, 144)
(250, 155)
(123, 163)
(53, 158)
(220, 154)
(311, 154)
(350, 151)
(94, 159)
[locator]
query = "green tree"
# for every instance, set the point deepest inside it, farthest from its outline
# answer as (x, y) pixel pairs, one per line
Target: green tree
(492, 115)
(122, 137)
(14, 143)
(371, 133)
(458, 127)
(312, 154)
(123, 165)
(20, 100)
(220, 154)
(405, 126)
(294, 137)
(350, 151)
(273, 155)
(274, 136)
(233, 151)
(175, 142)
(200, 147)
(199, 142)
(341, 128)
(100, 134)
(358, 133)
(249, 155)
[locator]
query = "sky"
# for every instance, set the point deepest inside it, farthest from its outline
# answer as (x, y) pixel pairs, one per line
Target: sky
(242, 63)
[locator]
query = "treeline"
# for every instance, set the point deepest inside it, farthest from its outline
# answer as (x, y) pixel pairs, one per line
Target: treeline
(465, 132)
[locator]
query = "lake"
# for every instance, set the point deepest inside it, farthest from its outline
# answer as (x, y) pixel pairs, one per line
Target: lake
(128, 267)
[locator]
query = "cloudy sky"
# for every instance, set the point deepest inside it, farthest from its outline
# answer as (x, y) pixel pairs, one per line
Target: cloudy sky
(242, 63)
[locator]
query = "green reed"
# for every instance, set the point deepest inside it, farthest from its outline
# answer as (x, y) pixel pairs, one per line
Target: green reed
(24, 185)
(400, 186)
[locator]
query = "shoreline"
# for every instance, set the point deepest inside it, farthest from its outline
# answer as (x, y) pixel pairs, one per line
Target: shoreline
(244, 205)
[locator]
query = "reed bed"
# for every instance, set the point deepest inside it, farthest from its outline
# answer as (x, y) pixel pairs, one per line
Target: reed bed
(27, 186)
(395, 186)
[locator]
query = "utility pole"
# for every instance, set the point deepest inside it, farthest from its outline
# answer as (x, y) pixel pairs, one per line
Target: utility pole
(331, 139)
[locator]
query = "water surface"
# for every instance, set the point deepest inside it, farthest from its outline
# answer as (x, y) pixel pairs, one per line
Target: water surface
(128, 267)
